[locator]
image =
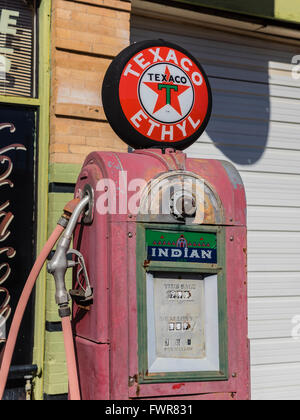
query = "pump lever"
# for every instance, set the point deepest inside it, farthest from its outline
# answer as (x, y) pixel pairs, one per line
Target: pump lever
(83, 296)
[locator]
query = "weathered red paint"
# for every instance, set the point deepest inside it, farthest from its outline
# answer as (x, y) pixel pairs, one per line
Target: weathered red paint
(230, 396)
(178, 386)
(106, 336)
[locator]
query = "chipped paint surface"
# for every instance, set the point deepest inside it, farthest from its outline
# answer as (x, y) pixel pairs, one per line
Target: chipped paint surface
(109, 332)
(233, 174)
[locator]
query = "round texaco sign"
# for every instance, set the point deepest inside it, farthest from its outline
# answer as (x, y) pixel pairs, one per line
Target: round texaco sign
(155, 94)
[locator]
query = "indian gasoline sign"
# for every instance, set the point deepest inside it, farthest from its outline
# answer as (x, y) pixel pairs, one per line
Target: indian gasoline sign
(181, 246)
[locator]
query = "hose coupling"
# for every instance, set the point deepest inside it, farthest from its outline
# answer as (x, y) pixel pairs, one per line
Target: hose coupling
(64, 311)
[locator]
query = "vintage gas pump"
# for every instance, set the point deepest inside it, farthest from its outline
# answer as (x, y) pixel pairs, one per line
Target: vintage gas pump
(164, 244)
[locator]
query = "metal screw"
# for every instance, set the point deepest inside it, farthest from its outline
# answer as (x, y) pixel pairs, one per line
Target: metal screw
(131, 381)
(234, 375)
(231, 238)
(130, 235)
(28, 387)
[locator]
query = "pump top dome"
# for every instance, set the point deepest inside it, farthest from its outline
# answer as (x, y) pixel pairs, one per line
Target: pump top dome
(156, 94)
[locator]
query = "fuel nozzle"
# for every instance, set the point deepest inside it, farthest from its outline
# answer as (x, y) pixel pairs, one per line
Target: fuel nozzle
(58, 267)
(59, 263)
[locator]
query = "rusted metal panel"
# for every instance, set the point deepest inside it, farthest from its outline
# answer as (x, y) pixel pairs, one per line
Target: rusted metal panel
(110, 248)
(92, 242)
(93, 365)
(236, 267)
(119, 317)
(238, 348)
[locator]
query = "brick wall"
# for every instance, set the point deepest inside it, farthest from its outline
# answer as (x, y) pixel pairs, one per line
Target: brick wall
(86, 35)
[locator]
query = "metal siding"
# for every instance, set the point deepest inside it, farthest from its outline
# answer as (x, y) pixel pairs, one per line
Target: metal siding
(271, 317)
(272, 161)
(276, 381)
(255, 125)
(282, 350)
(252, 134)
(276, 284)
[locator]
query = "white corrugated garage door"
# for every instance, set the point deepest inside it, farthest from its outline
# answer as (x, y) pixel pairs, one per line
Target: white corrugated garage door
(255, 124)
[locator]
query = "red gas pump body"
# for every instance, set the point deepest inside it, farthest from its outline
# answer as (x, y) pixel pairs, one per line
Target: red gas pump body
(106, 335)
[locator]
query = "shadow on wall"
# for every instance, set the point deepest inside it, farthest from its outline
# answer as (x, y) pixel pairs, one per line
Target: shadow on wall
(239, 125)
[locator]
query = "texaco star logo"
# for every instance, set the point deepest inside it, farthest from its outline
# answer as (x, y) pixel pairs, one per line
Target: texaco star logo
(164, 98)
(166, 93)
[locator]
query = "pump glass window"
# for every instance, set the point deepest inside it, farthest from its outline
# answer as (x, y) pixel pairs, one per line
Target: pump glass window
(182, 320)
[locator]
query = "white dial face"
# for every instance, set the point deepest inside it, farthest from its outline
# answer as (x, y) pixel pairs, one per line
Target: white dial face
(166, 93)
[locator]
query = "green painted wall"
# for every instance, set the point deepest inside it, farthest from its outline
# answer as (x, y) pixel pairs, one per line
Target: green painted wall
(55, 378)
(287, 10)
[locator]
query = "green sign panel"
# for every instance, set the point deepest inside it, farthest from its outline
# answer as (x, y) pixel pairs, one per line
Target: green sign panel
(181, 246)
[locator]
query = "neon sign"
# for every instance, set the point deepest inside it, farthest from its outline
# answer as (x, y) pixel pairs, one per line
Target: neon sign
(6, 218)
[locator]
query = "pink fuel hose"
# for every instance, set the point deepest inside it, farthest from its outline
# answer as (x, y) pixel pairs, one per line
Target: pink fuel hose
(14, 329)
(74, 390)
